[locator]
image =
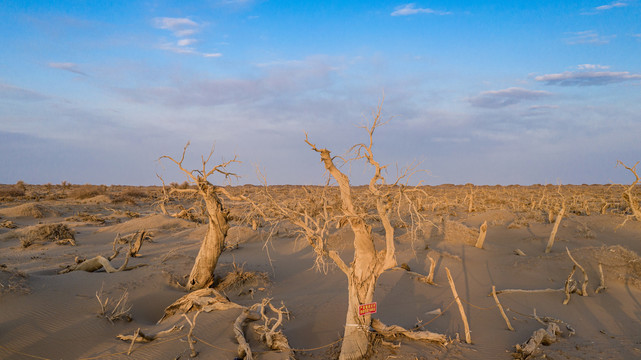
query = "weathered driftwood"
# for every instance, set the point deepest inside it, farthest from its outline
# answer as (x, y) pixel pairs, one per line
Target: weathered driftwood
(206, 300)
(430, 276)
(498, 304)
(141, 337)
(274, 338)
(540, 336)
(426, 279)
(535, 291)
(468, 337)
(136, 243)
(584, 285)
(602, 286)
(190, 340)
(519, 252)
(392, 332)
(557, 222)
(482, 234)
(570, 286)
(244, 351)
(97, 263)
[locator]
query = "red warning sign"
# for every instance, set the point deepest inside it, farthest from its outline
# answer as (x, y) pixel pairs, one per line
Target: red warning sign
(367, 309)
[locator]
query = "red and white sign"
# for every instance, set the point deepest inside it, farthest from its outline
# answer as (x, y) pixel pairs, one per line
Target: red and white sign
(367, 309)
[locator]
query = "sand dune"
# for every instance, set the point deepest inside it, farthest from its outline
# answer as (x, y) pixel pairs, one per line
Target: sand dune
(48, 315)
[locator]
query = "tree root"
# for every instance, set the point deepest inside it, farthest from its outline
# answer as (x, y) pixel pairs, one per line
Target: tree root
(206, 300)
(274, 338)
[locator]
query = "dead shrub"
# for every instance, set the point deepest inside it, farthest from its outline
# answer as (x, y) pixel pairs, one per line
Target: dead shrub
(119, 199)
(13, 281)
(135, 193)
(86, 217)
(9, 192)
(8, 224)
(59, 233)
(118, 309)
(238, 279)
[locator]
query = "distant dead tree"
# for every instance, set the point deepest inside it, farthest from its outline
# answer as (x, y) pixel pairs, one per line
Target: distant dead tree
(202, 274)
(628, 194)
(368, 263)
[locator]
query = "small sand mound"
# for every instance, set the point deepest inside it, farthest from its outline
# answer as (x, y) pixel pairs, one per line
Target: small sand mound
(158, 221)
(29, 210)
(456, 232)
(493, 217)
(618, 262)
(99, 199)
(242, 234)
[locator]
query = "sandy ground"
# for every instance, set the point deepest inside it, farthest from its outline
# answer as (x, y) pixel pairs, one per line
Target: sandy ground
(46, 315)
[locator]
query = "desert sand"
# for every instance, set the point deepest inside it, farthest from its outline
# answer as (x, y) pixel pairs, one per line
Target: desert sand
(45, 314)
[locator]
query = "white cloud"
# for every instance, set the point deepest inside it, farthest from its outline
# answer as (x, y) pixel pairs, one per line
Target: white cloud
(588, 37)
(587, 78)
(186, 42)
(179, 26)
(506, 97)
(592, 67)
(411, 9)
(177, 49)
(71, 67)
(612, 5)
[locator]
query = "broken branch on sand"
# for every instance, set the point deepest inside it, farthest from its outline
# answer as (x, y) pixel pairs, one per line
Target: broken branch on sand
(468, 338)
(98, 263)
(394, 331)
(498, 304)
(540, 336)
(141, 337)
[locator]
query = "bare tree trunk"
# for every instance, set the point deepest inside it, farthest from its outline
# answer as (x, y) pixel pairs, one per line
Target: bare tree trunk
(356, 338)
(202, 274)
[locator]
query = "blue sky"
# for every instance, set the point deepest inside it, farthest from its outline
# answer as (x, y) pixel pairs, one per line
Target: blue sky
(484, 92)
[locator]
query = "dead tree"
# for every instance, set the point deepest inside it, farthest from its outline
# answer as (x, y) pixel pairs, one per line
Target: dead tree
(368, 263)
(628, 195)
(202, 274)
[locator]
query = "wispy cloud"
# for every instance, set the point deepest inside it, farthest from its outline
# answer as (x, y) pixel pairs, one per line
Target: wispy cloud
(588, 37)
(67, 66)
(275, 82)
(506, 97)
(180, 27)
(183, 29)
(186, 42)
(592, 67)
(587, 78)
(411, 9)
(612, 5)
(10, 92)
